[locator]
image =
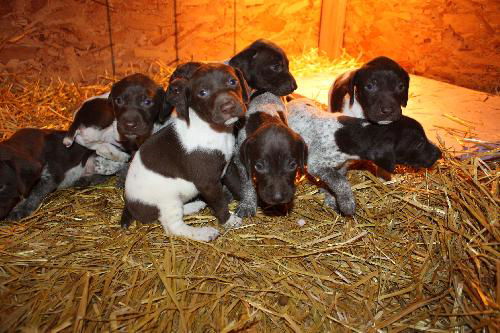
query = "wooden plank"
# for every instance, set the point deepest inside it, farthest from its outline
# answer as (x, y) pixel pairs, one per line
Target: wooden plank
(331, 33)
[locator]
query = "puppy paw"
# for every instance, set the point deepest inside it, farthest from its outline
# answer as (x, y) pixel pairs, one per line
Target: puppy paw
(330, 201)
(246, 210)
(17, 214)
(104, 166)
(194, 207)
(347, 206)
(205, 234)
(233, 221)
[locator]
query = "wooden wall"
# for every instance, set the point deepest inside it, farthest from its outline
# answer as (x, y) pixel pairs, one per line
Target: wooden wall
(457, 41)
(70, 38)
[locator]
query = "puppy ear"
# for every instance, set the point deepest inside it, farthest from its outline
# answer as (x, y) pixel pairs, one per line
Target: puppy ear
(178, 96)
(340, 88)
(245, 90)
(406, 82)
(245, 155)
(243, 60)
(303, 153)
(382, 154)
(165, 107)
(353, 80)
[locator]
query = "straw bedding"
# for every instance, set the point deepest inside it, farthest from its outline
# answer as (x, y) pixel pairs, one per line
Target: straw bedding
(421, 253)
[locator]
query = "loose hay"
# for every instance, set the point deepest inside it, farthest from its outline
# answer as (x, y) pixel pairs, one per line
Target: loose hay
(422, 253)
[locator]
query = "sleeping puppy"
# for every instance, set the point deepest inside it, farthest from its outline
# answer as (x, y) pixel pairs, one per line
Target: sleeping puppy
(34, 163)
(190, 155)
(116, 124)
(270, 155)
(334, 139)
(265, 67)
(376, 92)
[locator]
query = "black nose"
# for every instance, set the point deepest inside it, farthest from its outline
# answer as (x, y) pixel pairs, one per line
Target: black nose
(131, 124)
(228, 107)
(385, 110)
(294, 84)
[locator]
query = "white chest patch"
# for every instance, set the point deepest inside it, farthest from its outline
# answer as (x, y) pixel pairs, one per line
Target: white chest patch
(199, 135)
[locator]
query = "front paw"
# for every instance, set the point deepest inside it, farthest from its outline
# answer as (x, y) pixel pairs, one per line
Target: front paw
(233, 221)
(17, 214)
(347, 206)
(246, 209)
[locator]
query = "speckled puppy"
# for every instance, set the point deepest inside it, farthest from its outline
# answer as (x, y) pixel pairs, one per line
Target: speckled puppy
(334, 139)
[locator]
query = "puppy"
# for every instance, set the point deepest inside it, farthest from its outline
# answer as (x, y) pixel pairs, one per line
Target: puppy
(116, 124)
(334, 139)
(375, 92)
(190, 155)
(265, 67)
(270, 155)
(34, 163)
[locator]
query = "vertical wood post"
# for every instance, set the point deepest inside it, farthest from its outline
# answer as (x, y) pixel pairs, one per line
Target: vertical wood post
(331, 31)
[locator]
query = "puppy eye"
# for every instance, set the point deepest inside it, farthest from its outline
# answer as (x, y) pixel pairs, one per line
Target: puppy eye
(260, 167)
(292, 165)
(370, 87)
(277, 67)
(119, 101)
(233, 82)
(147, 102)
(400, 87)
(202, 93)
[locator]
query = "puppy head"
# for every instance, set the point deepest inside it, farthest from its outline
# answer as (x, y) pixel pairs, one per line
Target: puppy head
(265, 67)
(272, 156)
(137, 102)
(380, 87)
(216, 92)
(412, 146)
(17, 176)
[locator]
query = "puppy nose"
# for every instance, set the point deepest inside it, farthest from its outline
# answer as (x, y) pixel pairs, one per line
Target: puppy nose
(228, 107)
(130, 124)
(278, 196)
(294, 85)
(386, 110)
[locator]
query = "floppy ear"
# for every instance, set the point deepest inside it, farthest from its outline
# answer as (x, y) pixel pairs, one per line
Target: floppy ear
(245, 155)
(341, 87)
(406, 82)
(243, 59)
(165, 107)
(245, 91)
(382, 154)
(178, 96)
(302, 150)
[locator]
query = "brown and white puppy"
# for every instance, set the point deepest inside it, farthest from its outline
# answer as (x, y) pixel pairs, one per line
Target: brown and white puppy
(270, 156)
(265, 68)
(116, 124)
(375, 92)
(188, 156)
(34, 163)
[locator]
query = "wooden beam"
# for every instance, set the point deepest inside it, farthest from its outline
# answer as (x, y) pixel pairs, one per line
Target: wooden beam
(331, 32)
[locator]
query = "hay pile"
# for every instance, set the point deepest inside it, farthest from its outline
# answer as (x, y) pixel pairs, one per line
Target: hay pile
(422, 253)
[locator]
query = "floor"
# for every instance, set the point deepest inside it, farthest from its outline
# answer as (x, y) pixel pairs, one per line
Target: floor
(452, 115)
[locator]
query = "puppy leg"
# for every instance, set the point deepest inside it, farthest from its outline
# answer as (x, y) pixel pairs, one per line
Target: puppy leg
(193, 207)
(111, 152)
(232, 182)
(47, 184)
(105, 166)
(126, 218)
(214, 196)
(171, 214)
(340, 187)
(248, 201)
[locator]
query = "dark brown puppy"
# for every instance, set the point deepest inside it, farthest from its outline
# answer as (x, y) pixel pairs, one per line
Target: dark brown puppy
(375, 92)
(189, 156)
(270, 156)
(34, 163)
(265, 68)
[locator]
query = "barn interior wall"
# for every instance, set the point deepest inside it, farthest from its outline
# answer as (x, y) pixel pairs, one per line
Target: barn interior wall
(457, 41)
(70, 38)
